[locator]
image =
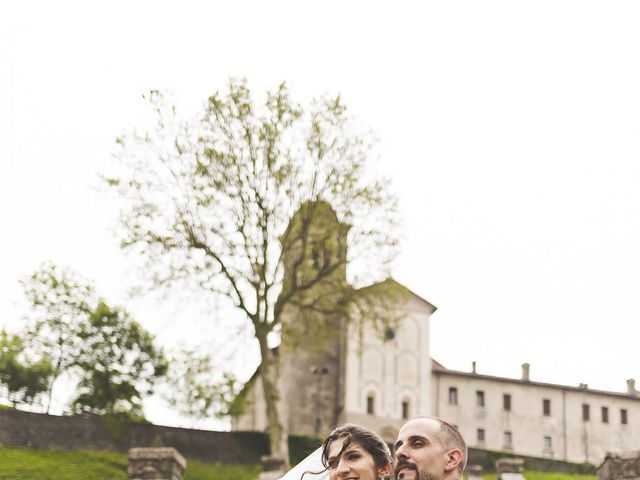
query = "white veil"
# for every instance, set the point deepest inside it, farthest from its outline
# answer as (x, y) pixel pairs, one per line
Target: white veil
(312, 463)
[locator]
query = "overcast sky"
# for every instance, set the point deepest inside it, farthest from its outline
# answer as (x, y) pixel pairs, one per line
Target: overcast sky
(510, 130)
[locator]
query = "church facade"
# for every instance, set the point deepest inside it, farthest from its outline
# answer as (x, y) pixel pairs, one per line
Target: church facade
(365, 376)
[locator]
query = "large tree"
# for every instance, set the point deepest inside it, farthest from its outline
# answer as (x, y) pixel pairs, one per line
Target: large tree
(210, 201)
(72, 330)
(23, 378)
(198, 388)
(117, 361)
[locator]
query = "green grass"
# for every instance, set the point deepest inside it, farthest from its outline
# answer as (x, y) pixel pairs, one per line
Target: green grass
(23, 464)
(45, 464)
(205, 471)
(531, 475)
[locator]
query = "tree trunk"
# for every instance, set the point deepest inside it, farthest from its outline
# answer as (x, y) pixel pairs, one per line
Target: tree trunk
(54, 377)
(278, 435)
(49, 394)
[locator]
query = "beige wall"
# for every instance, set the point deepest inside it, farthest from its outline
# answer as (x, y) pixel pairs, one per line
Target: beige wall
(254, 417)
(308, 398)
(312, 400)
(591, 440)
(572, 438)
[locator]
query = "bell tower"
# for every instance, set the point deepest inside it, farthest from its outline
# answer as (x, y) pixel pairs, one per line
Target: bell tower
(313, 320)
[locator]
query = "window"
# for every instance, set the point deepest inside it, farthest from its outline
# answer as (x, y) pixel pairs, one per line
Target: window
(389, 334)
(370, 404)
(605, 415)
(479, 398)
(506, 402)
(319, 255)
(546, 407)
(405, 409)
(585, 412)
(480, 434)
(453, 396)
(623, 416)
(547, 444)
(508, 439)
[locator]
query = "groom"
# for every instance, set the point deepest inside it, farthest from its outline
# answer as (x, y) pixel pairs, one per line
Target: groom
(429, 448)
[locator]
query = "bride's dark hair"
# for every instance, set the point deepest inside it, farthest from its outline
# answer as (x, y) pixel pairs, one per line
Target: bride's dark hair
(369, 440)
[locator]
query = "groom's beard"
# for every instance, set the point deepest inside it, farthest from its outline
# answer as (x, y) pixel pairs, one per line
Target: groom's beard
(420, 474)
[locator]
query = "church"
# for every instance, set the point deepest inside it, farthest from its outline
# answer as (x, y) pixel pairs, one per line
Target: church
(379, 378)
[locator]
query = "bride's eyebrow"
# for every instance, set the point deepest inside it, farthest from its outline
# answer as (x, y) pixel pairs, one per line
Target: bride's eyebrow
(344, 452)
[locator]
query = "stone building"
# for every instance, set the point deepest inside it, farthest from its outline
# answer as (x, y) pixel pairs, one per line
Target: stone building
(360, 373)
(381, 378)
(575, 424)
(373, 378)
(382, 381)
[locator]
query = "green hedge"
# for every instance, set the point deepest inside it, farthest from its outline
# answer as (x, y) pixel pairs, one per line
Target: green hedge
(488, 458)
(253, 444)
(256, 444)
(300, 446)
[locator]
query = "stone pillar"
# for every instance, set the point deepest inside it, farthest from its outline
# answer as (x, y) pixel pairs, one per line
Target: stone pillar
(620, 466)
(156, 464)
(272, 468)
(474, 472)
(510, 469)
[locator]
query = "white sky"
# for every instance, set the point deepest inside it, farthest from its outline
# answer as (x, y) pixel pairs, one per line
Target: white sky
(511, 131)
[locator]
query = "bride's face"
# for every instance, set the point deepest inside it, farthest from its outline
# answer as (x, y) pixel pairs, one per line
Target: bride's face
(353, 463)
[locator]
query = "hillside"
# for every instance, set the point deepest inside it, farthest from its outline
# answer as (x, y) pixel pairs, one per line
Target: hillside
(22, 464)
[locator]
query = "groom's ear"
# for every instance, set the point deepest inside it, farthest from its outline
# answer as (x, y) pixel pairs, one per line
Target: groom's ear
(454, 457)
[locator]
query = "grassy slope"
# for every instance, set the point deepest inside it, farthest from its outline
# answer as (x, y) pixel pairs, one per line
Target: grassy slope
(22, 464)
(62, 465)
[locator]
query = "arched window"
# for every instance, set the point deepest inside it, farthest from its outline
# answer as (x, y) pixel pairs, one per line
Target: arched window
(405, 409)
(370, 404)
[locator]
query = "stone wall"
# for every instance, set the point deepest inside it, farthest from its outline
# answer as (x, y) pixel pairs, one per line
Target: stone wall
(35, 430)
(89, 432)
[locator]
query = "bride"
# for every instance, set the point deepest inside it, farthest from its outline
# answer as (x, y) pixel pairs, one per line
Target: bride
(350, 451)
